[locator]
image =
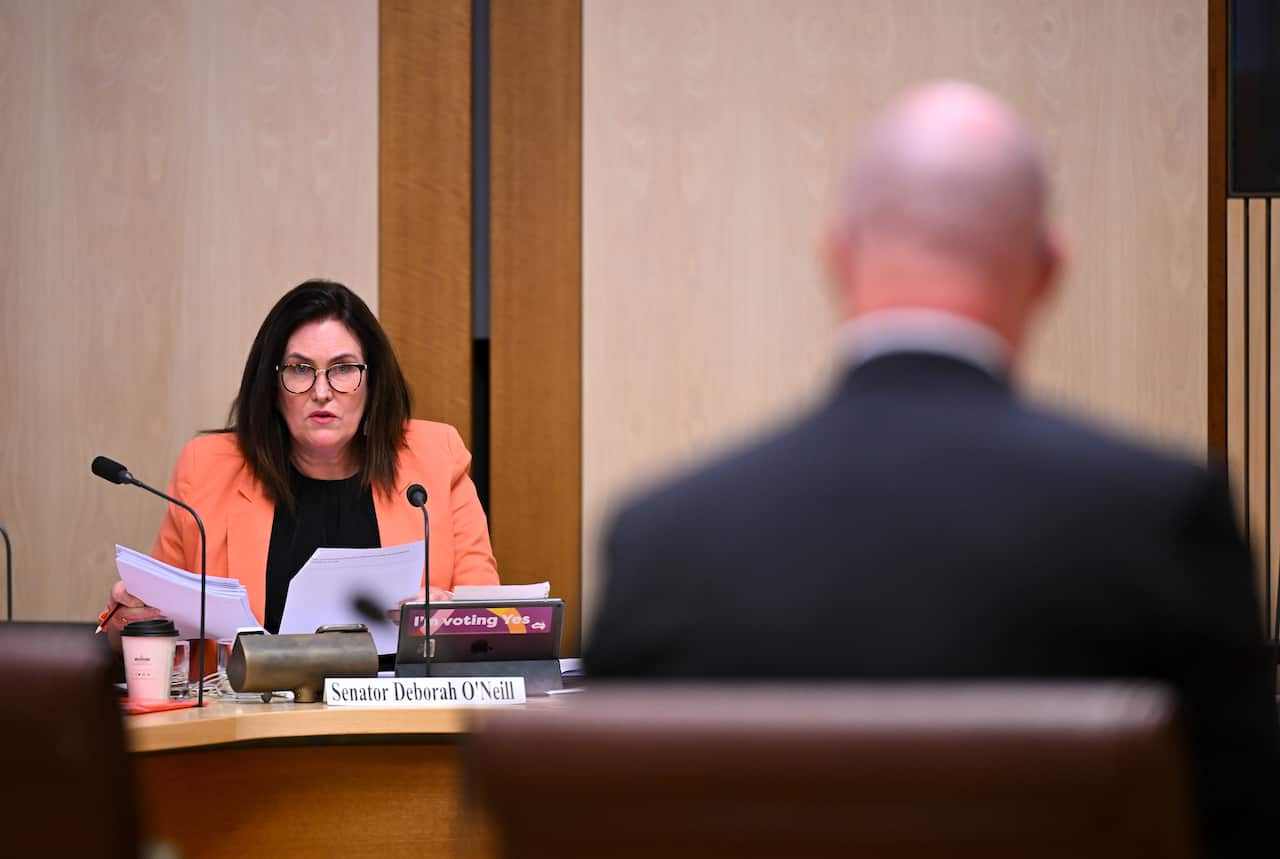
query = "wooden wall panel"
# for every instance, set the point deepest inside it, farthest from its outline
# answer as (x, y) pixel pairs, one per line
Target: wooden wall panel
(1271, 572)
(1258, 379)
(1237, 357)
(424, 206)
(535, 376)
(1253, 366)
(169, 169)
(712, 133)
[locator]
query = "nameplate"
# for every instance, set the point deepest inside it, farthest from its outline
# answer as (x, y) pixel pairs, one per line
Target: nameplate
(423, 691)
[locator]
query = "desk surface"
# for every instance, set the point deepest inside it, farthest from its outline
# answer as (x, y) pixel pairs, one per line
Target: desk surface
(225, 722)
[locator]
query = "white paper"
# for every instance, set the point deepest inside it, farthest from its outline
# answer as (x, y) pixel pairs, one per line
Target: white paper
(326, 589)
(537, 591)
(177, 593)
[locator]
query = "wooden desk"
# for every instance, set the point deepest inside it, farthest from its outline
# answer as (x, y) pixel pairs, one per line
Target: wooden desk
(252, 779)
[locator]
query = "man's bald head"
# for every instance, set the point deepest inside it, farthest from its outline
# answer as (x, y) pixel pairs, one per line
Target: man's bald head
(949, 183)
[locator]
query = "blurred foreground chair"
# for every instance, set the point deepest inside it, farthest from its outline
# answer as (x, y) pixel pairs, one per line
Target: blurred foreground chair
(68, 787)
(839, 771)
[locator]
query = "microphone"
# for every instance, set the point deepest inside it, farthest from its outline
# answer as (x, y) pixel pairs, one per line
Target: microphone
(8, 573)
(367, 608)
(110, 470)
(265, 663)
(417, 496)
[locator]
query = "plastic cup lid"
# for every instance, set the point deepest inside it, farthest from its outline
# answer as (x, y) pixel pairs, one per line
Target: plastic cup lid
(159, 627)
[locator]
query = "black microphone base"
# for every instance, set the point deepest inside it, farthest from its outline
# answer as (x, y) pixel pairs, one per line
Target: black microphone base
(540, 675)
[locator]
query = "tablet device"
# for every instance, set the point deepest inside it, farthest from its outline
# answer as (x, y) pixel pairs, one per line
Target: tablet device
(480, 631)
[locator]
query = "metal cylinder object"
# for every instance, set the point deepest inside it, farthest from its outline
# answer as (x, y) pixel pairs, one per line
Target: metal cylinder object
(268, 663)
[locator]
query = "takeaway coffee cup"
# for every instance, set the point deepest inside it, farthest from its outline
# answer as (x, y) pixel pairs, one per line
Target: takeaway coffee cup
(148, 657)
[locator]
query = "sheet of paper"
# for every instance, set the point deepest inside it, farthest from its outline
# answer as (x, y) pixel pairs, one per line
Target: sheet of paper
(177, 593)
(329, 585)
(537, 591)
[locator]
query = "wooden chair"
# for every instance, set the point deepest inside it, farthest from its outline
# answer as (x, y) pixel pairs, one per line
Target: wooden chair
(68, 787)
(836, 771)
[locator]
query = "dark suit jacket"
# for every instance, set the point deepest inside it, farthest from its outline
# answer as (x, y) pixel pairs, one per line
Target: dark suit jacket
(926, 524)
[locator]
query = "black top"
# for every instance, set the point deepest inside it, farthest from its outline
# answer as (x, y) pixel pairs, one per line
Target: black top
(331, 513)
(925, 523)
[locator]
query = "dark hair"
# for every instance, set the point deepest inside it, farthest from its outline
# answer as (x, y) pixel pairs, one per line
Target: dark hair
(255, 417)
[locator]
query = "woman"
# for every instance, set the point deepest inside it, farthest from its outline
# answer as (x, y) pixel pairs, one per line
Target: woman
(318, 451)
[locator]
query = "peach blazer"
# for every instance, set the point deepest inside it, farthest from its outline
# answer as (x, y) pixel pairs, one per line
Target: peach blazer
(213, 477)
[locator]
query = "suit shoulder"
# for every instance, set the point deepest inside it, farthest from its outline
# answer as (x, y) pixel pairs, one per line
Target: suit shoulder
(1122, 474)
(1085, 443)
(208, 466)
(679, 498)
(420, 434)
(434, 445)
(212, 451)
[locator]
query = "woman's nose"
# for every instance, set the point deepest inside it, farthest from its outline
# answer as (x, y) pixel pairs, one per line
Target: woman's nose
(321, 390)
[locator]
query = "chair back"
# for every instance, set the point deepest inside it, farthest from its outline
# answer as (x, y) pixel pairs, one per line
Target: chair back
(68, 784)
(836, 771)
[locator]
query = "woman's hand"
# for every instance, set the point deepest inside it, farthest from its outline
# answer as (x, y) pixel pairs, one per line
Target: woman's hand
(124, 609)
(437, 595)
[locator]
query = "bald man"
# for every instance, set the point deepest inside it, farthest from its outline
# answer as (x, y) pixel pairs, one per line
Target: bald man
(927, 523)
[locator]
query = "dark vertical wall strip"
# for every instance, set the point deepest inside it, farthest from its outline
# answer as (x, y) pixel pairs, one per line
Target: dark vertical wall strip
(1216, 316)
(480, 412)
(480, 247)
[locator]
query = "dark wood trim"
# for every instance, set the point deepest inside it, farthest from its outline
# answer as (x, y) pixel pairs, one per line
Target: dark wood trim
(424, 200)
(536, 295)
(1216, 316)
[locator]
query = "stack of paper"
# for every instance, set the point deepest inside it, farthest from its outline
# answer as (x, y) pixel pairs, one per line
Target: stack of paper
(334, 584)
(537, 591)
(177, 593)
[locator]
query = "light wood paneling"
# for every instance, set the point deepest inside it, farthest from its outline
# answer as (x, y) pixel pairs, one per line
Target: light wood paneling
(1237, 356)
(536, 430)
(1253, 366)
(712, 135)
(1258, 414)
(1270, 574)
(424, 218)
(169, 169)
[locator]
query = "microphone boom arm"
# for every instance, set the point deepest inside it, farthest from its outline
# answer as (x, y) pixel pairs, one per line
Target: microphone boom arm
(203, 580)
(114, 472)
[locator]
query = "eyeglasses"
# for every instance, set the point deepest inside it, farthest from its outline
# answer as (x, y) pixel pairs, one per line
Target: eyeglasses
(299, 378)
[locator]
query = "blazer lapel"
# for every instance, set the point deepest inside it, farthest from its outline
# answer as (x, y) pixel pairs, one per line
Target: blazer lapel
(248, 539)
(399, 521)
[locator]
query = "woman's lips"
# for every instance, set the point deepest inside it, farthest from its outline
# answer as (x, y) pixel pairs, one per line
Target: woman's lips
(322, 417)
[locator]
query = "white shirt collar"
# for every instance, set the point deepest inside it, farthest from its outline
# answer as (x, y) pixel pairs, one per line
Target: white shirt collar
(935, 332)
